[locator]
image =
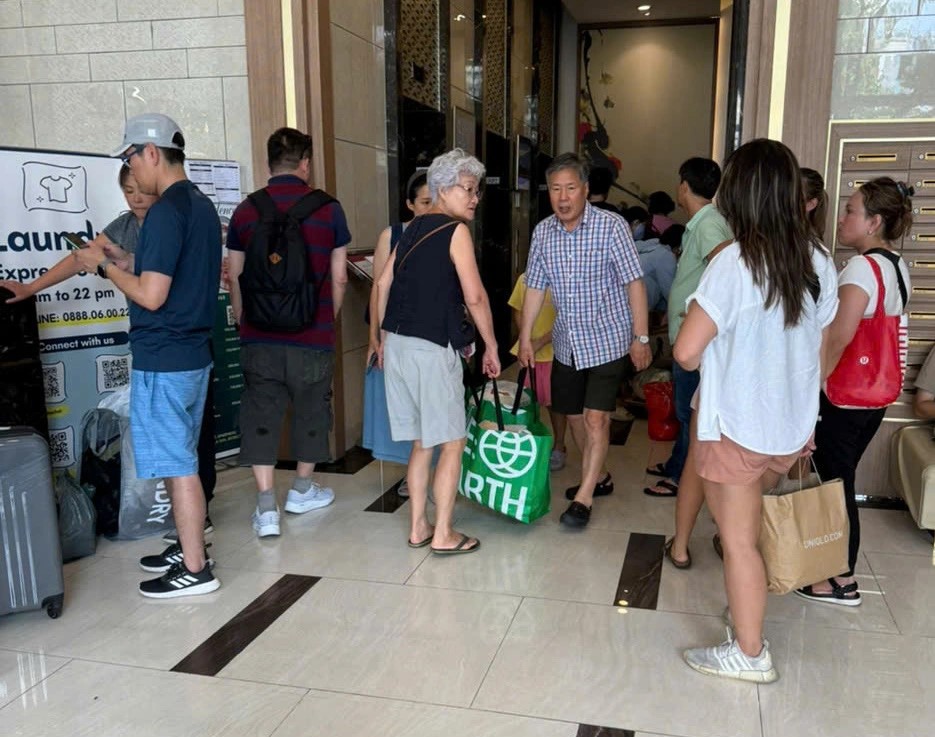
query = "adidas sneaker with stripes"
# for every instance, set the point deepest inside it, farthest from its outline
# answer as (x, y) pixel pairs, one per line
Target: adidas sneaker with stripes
(179, 581)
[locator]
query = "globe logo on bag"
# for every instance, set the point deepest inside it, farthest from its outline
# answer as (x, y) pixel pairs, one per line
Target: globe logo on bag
(509, 455)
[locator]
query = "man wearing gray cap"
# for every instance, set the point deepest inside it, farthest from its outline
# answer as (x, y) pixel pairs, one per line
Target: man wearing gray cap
(172, 293)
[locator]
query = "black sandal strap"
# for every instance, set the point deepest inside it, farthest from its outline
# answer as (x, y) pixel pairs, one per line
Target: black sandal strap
(839, 591)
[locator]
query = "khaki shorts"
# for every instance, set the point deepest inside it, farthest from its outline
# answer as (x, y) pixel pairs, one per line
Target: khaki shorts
(725, 462)
(424, 391)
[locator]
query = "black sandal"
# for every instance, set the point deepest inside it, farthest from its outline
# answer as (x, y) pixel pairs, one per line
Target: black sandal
(680, 564)
(658, 470)
(842, 595)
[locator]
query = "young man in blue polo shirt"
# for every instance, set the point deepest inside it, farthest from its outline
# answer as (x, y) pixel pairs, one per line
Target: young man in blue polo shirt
(172, 294)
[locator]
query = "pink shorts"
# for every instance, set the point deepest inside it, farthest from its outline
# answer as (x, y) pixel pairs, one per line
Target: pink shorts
(543, 383)
(725, 462)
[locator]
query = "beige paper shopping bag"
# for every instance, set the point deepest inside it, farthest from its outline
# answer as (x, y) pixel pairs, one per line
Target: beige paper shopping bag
(803, 534)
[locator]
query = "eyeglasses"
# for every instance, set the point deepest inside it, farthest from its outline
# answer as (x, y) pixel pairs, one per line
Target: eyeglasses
(472, 192)
(130, 153)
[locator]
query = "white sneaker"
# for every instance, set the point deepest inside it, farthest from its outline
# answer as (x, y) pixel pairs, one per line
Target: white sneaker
(316, 497)
(729, 661)
(557, 460)
(266, 524)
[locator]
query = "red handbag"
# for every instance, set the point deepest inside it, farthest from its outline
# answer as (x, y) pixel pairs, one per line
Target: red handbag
(870, 372)
(660, 405)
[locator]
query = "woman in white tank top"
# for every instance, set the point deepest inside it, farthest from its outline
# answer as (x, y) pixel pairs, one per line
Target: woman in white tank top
(875, 219)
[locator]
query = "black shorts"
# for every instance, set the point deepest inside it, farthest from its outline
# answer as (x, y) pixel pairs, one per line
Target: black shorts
(574, 390)
(275, 376)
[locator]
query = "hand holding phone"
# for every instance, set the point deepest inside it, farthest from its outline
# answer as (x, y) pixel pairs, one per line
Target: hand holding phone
(74, 240)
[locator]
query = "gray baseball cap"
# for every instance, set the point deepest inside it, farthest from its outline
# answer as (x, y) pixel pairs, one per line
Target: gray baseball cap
(154, 128)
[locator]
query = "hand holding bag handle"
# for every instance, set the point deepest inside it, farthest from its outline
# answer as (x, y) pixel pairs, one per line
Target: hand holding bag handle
(520, 383)
(498, 405)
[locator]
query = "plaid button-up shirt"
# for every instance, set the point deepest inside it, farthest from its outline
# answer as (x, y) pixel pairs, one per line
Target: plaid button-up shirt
(587, 270)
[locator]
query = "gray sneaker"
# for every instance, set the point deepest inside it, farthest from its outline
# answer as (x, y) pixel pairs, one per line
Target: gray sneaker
(729, 661)
(299, 502)
(557, 460)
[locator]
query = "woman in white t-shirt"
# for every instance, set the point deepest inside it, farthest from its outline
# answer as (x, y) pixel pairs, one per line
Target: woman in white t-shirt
(756, 327)
(877, 216)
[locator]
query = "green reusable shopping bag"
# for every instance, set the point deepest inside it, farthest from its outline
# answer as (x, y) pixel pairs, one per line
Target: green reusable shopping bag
(506, 470)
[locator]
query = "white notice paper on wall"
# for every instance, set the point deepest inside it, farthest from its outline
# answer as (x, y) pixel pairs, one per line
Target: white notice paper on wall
(219, 180)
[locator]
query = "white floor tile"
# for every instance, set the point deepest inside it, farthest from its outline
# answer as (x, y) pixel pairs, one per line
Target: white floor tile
(362, 545)
(342, 715)
(908, 584)
(131, 629)
(849, 683)
(595, 665)
(538, 560)
(700, 590)
(892, 531)
(20, 672)
(381, 640)
(85, 699)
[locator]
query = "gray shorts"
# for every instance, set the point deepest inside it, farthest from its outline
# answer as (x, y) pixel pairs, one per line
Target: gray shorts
(276, 376)
(424, 391)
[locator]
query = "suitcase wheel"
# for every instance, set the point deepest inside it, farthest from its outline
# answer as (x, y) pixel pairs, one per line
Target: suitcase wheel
(54, 606)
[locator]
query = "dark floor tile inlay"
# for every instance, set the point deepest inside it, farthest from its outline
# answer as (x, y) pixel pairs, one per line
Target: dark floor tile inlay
(642, 569)
(211, 656)
(389, 501)
(353, 460)
(868, 501)
(587, 730)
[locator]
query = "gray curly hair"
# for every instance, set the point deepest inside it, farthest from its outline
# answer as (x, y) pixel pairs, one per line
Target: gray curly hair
(449, 167)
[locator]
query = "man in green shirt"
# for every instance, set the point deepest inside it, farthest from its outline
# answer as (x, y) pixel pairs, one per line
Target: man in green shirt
(706, 229)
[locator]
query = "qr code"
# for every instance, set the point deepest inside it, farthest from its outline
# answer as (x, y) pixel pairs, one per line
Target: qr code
(113, 372)
(62, 447)
(230, 315)
(53, 378)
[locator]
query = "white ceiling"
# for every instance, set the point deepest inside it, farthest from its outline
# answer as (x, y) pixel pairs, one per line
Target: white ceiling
(610, 11)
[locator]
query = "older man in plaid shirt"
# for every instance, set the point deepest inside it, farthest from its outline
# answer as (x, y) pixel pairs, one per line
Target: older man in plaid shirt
(587, 258)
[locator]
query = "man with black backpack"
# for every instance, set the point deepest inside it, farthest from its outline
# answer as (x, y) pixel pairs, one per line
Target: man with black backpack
(288, 271)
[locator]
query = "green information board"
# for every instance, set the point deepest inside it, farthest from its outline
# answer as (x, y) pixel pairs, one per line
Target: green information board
(228, 379)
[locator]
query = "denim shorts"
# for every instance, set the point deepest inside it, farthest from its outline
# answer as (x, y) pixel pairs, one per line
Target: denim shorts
(166, 409)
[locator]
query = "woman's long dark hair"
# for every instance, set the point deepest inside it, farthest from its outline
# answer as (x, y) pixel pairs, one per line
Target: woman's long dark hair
(813, 185)
(761, 197)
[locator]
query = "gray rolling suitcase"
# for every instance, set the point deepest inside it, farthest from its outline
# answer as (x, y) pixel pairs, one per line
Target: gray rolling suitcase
(30, 552)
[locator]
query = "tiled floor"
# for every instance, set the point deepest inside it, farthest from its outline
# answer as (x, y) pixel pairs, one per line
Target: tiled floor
(521, 639)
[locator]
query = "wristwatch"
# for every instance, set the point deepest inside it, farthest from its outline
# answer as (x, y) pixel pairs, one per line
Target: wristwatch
(643, 339)
(102, 268)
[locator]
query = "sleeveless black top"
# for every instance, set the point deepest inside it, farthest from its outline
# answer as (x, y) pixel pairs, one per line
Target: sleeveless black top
(425, 298)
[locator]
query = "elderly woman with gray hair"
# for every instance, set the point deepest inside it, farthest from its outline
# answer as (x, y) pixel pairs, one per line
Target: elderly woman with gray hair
(422, 293)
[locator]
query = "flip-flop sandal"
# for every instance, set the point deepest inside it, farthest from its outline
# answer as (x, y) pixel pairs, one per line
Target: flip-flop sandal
(670, 489)
(658, 470)
(680, 564)
(458, 549)
(421, 543)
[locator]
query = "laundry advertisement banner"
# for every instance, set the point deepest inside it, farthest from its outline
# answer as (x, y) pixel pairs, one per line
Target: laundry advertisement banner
(83, 323)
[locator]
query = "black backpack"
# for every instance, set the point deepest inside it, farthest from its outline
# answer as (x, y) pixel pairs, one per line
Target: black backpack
(278, 293)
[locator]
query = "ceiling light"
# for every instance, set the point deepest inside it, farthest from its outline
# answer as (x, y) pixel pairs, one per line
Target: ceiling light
(646, 13)
(641, 8)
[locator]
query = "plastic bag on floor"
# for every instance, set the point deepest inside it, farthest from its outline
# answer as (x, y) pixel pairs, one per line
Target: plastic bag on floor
(77, 519)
